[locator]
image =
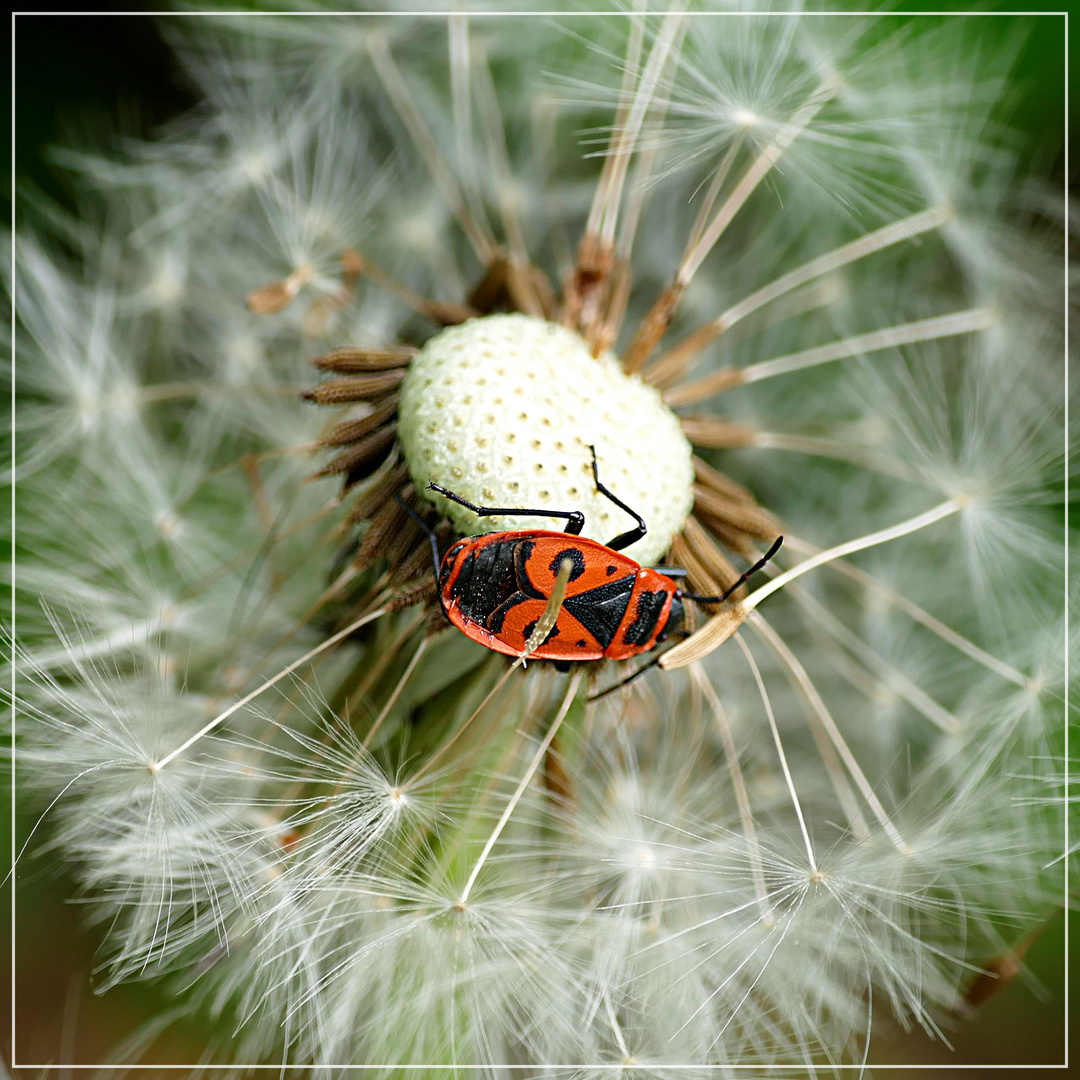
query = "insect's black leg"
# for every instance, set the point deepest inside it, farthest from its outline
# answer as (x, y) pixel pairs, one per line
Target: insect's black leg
(636, 675)
(631, 536)
(749, 573)
(575, 519)
(427, 532)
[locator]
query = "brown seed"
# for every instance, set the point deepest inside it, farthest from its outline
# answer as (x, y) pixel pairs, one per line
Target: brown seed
(387, 522)
(275, 296)
(353, 359)
(419, 591)
(707, 387)
(270, 299)
(382, 490)
(355, 387)
(362, 453)
(999, 972)
(750, 520)
(712, 478)
(349, 431)
(709, 431)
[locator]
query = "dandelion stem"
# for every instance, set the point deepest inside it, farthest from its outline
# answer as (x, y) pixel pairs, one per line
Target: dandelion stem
(538, 757)
(616, 1027)
(878, 240)
(738, 785)
(779, 749)
(959, 322)
(709, 201)
(722, 625)
(720, 434)
(398, 92)
(659, 318)
(461, 106)
(460, 731)
(286, 671)
(495, 137)
(883, 536)
(603, 184)
(833, 766)
(804, 682)
(857, 455)
(371, 670)
(750, 180)
(385, 711)
(676, 358)
(628, 133)
(639, 193)
(894, 679)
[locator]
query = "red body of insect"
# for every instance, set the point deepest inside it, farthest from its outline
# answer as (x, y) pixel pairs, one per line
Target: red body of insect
(494, 588)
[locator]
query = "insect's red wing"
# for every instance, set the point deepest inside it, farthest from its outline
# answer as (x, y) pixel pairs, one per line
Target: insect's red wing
(593, 564)
(646, 616)
(603, 580)
(569, 640)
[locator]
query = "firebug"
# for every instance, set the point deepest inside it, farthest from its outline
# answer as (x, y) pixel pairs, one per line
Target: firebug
(495, 587)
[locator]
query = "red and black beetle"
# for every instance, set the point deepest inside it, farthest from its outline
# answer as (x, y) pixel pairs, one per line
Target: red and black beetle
(495, 587)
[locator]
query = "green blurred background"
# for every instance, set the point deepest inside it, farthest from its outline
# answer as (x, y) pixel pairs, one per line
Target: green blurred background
(78, 79)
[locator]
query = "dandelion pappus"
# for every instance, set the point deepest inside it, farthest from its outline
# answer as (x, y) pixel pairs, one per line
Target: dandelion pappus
(495, 587)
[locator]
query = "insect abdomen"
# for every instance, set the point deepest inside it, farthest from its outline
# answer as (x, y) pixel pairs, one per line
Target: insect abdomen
(484, 581)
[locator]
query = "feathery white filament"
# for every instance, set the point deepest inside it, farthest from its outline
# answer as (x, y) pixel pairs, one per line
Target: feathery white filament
(530, 772)
(878, 240)
(284, 673)
(749, 181)
(605, 209)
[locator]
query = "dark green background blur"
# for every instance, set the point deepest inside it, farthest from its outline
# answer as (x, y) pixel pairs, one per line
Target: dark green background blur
(78, 79)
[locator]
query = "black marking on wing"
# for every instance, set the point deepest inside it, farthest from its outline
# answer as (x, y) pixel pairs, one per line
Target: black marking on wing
(495, 620)
(600, 610)
(575, 556)
(523, 549)
(485, 581)
(649, 607)
(609, 570)
(552, 633)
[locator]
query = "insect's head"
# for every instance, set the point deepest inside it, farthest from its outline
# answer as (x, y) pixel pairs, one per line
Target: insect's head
(675, 617)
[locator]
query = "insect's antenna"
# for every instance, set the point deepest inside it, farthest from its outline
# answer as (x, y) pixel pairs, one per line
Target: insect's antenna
(749, 574)
(429, 533)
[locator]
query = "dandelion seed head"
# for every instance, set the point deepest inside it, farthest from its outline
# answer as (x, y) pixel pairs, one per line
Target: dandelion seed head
(359, 852)
(511, 404)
